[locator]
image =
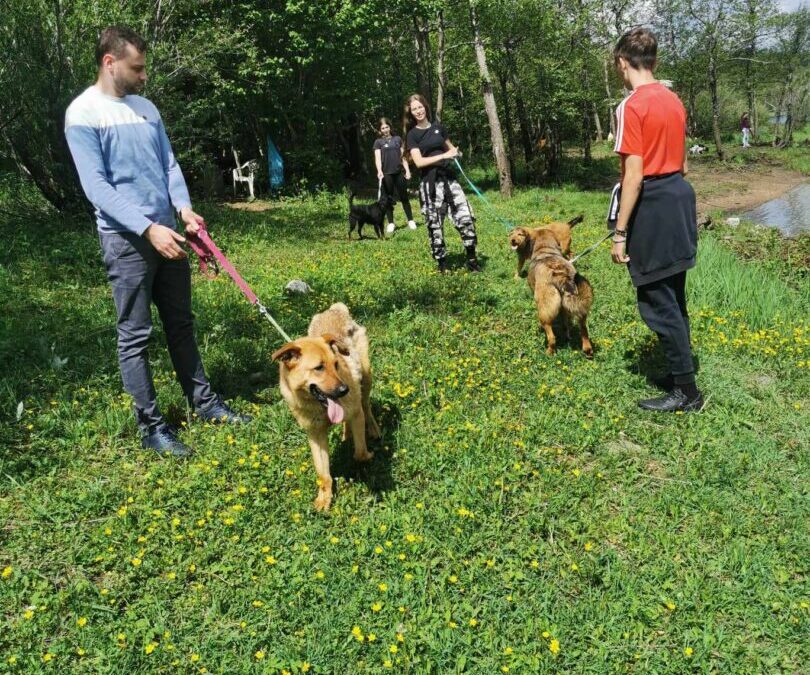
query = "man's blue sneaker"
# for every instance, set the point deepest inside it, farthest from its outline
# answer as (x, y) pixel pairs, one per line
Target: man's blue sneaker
(220, 412)
(164, 441)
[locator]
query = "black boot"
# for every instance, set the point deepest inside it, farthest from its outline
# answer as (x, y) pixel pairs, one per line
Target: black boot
(164, 441)
(472, 261)
(219, 412)
(674, 401)
(442, 265)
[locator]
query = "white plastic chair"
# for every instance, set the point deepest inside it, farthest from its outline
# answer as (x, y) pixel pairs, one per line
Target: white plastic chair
(244, 173)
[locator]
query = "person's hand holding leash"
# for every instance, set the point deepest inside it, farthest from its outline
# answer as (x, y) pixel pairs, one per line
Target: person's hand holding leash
(617, 250)
(191, 220)
(166, 241)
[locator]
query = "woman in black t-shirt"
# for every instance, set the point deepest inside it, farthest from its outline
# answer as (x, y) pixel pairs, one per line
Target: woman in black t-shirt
(390, 167)
(439, 192)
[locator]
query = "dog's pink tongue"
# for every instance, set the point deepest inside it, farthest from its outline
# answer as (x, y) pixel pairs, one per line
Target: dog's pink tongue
(334, 411)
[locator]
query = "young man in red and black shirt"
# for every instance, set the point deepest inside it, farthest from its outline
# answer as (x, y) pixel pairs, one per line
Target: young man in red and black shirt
(656, 228)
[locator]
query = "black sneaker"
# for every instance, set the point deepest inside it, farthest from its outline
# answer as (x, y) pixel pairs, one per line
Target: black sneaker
(473, 266)
(442, 265)
(675, 401)
(220, 412)
(164, 442)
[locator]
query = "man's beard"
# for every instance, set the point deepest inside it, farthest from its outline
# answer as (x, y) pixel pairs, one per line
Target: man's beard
(127, 87)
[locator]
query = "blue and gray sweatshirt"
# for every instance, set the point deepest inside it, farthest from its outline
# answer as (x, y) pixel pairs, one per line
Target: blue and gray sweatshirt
(125, 161)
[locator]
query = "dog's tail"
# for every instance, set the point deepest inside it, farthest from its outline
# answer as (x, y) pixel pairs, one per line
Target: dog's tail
(577, 220)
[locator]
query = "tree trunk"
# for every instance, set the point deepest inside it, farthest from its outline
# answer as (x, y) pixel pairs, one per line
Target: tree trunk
(691, 110)
(715, 99)
(598, 124)
(507, 118)
(504, 175)
(751, 50)
(609, 99)
(468, 130)
(420, 67)
(423, 77)
(523, 118)
(397, 94)
(586, 121)
(778, 116)
(440, 76)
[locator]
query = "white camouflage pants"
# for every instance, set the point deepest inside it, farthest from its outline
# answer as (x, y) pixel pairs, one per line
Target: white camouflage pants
(452, 201)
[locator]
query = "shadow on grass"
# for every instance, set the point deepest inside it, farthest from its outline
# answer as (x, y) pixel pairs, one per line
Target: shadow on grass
(375, 475)
(649, 360)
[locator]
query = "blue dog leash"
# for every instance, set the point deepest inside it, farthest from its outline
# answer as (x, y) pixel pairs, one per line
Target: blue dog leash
(511, 226)
(506, 223)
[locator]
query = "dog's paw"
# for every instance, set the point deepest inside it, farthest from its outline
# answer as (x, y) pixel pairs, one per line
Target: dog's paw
(364, 457)
(588, 353)
(323, 501)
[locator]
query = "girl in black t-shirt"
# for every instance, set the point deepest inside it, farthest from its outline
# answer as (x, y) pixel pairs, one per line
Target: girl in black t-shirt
(439, 192)
(390, 168)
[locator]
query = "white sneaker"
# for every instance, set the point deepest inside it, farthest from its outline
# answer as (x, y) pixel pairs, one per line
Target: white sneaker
(391, 227)
(411, 225)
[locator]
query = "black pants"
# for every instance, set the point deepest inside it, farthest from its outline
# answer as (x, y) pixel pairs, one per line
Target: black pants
(140, 276)
(662, 305)
(394, 185)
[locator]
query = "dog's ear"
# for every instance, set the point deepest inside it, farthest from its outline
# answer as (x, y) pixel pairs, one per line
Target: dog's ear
(336, 343)
(288, 355)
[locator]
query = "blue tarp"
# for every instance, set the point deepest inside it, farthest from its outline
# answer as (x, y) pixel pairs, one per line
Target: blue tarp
(275, 165)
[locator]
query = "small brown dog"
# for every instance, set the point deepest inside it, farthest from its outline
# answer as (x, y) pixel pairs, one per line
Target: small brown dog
(522, 239)
(326, 379)
(558, 287)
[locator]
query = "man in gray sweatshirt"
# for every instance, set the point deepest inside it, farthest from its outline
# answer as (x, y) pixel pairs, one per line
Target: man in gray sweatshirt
(129, 174)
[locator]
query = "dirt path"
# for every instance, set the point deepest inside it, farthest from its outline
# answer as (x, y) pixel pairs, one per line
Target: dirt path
(735, 190)
(730, 189)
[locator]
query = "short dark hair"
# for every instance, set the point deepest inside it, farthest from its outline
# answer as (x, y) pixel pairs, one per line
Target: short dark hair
(114, 40)
(639, 47)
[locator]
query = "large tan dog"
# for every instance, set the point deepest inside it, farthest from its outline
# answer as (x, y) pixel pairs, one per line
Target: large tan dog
(522, 239)
(326, 379)
(558, 287)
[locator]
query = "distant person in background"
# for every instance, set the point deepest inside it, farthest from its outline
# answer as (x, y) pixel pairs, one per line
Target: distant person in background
(439, 192)
(745, 126)
(128, 171)
(657, 218)
(393, 173)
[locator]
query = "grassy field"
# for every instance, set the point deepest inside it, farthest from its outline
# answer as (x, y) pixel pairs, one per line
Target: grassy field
(521, 514)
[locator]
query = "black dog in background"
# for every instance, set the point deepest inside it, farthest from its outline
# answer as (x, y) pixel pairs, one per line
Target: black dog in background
(370, 214)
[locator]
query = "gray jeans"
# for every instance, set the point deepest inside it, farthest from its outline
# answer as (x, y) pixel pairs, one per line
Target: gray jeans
(139, 276)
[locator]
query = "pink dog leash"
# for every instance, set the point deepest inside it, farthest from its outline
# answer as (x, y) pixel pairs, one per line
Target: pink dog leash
(209, 254)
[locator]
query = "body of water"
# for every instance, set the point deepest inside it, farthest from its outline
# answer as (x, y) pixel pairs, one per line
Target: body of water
(790, 212)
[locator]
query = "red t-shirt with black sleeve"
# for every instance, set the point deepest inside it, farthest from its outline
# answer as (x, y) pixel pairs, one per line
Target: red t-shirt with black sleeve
(651, 123)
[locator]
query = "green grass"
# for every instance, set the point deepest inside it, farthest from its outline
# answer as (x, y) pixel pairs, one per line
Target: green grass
(517, 502)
